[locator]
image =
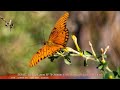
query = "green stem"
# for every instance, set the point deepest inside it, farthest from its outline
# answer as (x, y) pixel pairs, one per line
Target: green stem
(107, 68)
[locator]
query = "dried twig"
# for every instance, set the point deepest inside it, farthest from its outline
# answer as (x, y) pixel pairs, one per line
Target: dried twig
(7, 24)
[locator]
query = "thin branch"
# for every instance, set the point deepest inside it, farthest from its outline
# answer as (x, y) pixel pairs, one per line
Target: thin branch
(7, 24)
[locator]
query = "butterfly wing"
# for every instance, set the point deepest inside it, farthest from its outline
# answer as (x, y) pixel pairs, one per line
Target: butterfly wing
(45, 51)
(57, 40)
(59, 34)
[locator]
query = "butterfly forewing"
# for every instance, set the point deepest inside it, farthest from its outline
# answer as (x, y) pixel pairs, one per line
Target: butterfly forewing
(59, 34)
(61, 23)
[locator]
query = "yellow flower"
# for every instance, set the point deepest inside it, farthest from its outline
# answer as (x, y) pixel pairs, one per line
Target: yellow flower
(75, 41)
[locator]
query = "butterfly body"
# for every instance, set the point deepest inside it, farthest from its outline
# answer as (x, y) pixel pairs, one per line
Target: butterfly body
(57, 41)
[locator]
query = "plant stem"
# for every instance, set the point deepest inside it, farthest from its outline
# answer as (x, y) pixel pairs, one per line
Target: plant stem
(107, 68)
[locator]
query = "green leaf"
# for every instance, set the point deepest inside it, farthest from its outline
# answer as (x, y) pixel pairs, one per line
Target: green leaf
(105, 56)
(100, 67)
(69, 53)
(118, 70)
(108, 75)
(61, 51)
(87, 53)
(67, 60)
(85, 63)
(52, 58)
(100, 56)
(115, 73)
(118, 76)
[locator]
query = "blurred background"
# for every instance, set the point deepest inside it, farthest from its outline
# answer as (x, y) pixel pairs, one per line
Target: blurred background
(32, 28)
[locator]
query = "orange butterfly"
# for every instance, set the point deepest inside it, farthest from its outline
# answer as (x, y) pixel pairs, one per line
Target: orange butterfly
(57, 40)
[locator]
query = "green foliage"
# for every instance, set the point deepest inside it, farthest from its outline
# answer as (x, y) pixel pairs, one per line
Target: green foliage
(67, 60)
(87, 55)
(108, 75)
(85, 63)
(117, 73)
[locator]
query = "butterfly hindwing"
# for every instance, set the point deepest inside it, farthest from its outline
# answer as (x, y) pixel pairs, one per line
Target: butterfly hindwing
(44, 52)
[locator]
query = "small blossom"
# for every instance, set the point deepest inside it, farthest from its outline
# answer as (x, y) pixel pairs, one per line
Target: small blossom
(75, 41)
(92, 49)
(102, 51)
(106, 49)
(71, 50)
